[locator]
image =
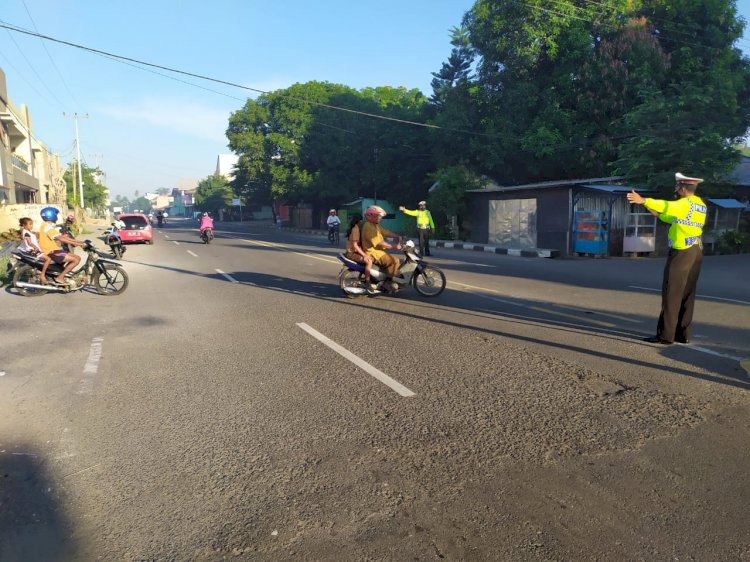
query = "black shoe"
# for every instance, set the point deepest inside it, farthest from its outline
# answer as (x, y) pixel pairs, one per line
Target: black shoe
(657, 339)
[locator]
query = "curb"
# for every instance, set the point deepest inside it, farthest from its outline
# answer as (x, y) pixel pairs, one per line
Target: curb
(496, 250)
(516, 252)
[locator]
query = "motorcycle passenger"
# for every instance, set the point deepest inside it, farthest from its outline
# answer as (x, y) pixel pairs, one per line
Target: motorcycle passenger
(374, 244)
(333, 221)
(50, 238)
(206, 222)
(31, 245)
(354, 249)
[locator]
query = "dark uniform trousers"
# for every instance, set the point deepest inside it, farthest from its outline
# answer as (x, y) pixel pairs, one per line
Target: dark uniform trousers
(424, 241)
(678, 293)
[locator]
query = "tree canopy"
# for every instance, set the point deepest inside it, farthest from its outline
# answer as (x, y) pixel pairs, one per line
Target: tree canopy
(531, 91)
(94, 192)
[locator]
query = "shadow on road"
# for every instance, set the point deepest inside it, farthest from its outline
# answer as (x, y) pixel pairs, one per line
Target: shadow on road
(33, 526)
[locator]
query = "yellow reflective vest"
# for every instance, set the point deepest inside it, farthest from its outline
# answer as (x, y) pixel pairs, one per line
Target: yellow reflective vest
(424, 218)
(686, 218)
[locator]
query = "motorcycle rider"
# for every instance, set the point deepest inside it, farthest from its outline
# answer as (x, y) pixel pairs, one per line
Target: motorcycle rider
(50, 238)
(160, 218)
(373, 242)
(66, 228)
(206, 222)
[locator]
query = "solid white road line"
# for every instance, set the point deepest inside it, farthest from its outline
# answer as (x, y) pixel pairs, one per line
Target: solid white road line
(712, 352)
(699, 296)
(232, 279)
(192, 254)
(364, 365)
(91, 367)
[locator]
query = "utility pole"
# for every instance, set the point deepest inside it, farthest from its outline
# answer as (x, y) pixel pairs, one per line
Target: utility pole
(78, 149)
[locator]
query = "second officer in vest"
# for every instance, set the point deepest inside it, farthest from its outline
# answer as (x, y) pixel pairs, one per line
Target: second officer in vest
(686, 217)
(425, 226)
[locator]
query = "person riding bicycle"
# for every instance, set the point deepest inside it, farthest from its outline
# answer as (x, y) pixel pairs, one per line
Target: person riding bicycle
(333, 222)
(206, 223)
(374, 244)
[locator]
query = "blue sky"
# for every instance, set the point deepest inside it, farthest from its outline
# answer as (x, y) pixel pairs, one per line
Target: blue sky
(146, 131)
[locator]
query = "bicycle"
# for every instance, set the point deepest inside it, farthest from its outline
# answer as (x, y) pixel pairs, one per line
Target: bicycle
(333, 235)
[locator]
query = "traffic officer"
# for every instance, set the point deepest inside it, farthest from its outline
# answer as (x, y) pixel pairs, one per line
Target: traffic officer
(425, 225)
(686, 217)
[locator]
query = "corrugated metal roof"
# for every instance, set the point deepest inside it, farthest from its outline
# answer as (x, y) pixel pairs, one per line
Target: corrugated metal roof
(616, 188)
(727, 203)
(546, 184)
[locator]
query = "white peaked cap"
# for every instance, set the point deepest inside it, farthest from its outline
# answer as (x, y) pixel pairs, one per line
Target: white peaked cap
(680, 177)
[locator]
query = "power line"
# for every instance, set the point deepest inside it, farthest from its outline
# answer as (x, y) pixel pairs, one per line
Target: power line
(31, 66)
(227, 83)
(49, 55)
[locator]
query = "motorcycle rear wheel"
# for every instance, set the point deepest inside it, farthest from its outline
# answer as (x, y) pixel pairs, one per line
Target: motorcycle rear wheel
(113, 281)
(28, 274)
(429, 282)
(117, 251)
(353, 279)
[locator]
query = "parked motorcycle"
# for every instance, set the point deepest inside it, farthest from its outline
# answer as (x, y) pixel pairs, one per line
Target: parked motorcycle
(105, 275)
(114, 241)
(428, 280)
(207, 234)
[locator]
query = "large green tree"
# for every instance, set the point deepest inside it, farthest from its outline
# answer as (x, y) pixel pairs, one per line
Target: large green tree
(213, 194)
(574, 88)
(295, 145)
(94, 192)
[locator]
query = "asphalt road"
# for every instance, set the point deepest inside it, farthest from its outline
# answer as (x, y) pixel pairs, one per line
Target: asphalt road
(212, 412)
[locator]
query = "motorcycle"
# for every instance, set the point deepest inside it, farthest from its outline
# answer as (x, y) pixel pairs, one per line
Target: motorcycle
(105, 275)
(160, 220)
(114, 241)
(207, 234)
(428, 280)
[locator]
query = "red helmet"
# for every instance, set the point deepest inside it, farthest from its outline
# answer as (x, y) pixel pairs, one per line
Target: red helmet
(374, 213)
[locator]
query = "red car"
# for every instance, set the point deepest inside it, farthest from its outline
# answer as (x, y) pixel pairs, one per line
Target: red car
(137, 229)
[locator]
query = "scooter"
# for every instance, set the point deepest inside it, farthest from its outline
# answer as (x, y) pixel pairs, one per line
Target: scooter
(105, 275)
(114, 241)
(428, 280)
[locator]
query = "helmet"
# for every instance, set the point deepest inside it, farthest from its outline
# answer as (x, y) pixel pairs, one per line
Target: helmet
(373, 213)
(49, 214)
(332, 211)
(205, 214)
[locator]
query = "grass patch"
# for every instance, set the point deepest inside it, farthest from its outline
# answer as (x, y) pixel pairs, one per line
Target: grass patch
(5, 278)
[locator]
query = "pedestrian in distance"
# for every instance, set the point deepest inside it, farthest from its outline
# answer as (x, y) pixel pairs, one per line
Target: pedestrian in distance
(686, 217)
(425, 225)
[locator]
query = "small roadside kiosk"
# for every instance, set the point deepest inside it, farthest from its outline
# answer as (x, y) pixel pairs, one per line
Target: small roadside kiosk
(572, 217)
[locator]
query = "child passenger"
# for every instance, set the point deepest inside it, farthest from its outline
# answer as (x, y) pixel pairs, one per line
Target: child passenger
(31, 245)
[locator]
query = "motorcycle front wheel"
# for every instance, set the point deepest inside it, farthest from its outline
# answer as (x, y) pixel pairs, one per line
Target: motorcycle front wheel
(352, 280)
(429, 282)
(28, 274)
(112, 281)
